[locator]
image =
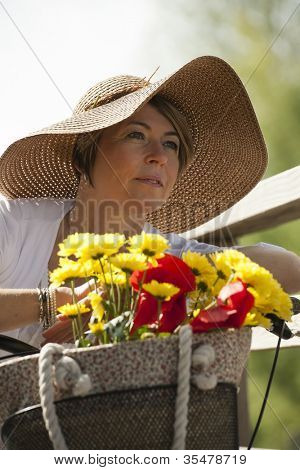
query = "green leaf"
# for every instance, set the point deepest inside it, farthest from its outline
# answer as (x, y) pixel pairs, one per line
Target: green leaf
(118, 327)
(143, 332)
(147, 335)
(83, 343)
(108, 307)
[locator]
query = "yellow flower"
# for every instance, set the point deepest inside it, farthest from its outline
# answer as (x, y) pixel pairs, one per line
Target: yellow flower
(205, 273)
(268, 293)
(161, 290)
(228, 264)
(72, 243)
(91, 267)
(129, 262)
(255, 275)
(227, 261)
(255, 318)
(117, 277)
(151, 245)
(97, 246)
(233, 258)
(72, 310)
(223, 269)
(196, 312)
(68, 271)
(96, 326)
(97, 305)
(284, 307)
(203, 299)
(110, 274)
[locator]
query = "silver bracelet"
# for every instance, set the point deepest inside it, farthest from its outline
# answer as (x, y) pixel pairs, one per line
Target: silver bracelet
(53, 309)
(47, 299)
(42, 295)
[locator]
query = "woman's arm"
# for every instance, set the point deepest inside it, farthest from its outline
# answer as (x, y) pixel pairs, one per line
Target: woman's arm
(21, 307)
(282, 263)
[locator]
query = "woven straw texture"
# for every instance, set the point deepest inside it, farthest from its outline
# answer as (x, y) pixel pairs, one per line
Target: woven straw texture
(135, 419)
(230, 156)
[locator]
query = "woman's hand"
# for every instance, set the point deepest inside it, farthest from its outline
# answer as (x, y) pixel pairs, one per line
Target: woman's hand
(61, 331)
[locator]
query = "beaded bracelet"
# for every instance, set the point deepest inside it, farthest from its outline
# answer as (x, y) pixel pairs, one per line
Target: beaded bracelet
(52, 295)
(42, 295)
(47, 300)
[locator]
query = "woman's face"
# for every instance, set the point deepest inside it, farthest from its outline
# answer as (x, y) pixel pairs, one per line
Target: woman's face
(138, 159)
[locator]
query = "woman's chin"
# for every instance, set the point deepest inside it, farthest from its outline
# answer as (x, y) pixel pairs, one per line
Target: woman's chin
(144, 194)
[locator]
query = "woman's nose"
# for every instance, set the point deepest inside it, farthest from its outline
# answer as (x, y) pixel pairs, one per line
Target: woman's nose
(156, 153)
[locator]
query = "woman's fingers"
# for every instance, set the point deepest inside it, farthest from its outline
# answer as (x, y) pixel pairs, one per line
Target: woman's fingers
(61, 331)
(57, 332)
(83, 290)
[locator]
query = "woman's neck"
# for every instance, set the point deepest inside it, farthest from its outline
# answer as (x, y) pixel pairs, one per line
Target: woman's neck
(110, 217)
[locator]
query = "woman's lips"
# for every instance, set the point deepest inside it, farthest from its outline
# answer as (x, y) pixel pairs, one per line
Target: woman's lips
(148, 181)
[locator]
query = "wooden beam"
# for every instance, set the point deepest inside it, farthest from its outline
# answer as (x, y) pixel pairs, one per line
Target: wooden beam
(272, 202)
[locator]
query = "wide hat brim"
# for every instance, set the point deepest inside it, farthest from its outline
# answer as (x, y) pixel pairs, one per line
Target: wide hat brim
(230, 155)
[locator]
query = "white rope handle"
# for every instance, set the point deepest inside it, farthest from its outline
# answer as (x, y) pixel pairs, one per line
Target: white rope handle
(67, 375)
(47, 395)
(183, 387)
(202, 358)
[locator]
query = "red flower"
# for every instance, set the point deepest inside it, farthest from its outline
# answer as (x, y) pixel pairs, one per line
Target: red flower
(170, 269)
(175, 271)
(233, 303)
(173, 314)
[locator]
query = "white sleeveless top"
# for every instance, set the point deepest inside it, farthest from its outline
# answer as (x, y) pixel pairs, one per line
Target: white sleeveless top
(28, 230)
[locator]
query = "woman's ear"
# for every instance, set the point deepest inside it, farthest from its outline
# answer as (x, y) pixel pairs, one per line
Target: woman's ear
(76, 168)
(83, 177)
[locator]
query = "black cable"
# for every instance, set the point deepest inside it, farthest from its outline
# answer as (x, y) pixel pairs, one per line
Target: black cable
(15, 346)
(268, 387)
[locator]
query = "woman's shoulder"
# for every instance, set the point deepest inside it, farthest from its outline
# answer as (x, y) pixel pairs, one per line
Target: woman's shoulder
(180, 244)
(22, 210)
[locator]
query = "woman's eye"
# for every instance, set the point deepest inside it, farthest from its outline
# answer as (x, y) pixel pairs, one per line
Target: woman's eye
(135, 134)
(140, 135)
(173, 144)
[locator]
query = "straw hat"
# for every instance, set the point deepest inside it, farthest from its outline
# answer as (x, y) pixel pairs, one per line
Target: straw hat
(230, 155)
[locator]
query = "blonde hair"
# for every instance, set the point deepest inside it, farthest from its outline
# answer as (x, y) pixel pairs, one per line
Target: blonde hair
(86, 146)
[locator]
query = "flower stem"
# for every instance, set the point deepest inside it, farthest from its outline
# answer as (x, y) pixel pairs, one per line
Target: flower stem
(105, 339)
(113, 290)
(197, 300)
(79, 321)
(87, 280)
(96, 286)
(126, 301)
(159, 302)
(74, 329)
(139, 292)
(106, 285)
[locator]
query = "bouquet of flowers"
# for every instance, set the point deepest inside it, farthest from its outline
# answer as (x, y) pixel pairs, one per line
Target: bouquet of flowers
(165, 390)
(139, 291)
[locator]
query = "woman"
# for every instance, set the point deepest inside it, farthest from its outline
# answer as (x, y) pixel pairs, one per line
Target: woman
(164, 156)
